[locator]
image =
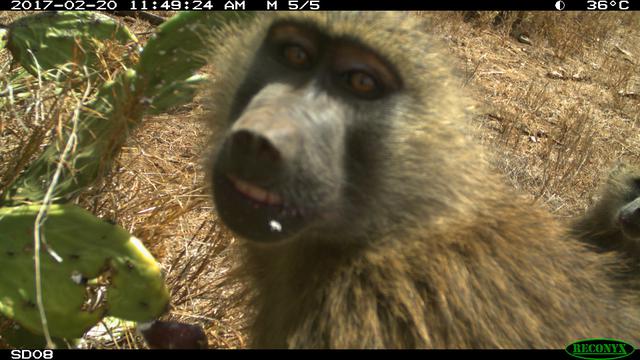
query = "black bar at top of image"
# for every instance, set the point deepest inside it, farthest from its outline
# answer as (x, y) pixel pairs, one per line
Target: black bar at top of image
(264, 5)
(530, 5)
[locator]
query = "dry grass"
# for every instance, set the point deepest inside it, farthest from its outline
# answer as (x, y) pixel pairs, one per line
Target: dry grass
(558, 114)
(553, 110)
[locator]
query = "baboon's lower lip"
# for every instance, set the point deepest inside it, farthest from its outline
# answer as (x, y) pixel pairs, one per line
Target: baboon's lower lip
(254, 192)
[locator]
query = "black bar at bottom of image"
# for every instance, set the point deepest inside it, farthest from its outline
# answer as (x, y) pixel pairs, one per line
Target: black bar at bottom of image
(17, 354)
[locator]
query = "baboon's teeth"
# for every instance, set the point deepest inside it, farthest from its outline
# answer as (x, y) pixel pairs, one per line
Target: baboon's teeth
(255, 193)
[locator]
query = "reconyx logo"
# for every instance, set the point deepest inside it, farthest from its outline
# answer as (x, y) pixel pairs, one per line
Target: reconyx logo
(599, 349)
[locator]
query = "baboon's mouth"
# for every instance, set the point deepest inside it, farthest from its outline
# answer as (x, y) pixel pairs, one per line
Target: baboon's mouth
(254, 192)
(254, 212)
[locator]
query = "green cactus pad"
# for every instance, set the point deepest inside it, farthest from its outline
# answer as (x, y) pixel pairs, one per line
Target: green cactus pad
(19, 337)
(97, 257)
(173, 55)
(175, 52)
(58, 38)
(176, 94)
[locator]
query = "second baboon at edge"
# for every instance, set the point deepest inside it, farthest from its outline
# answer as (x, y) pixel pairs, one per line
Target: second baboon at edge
(613, 222)
(368, 217)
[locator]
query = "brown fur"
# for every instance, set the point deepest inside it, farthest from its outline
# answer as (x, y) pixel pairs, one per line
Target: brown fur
(432, 249)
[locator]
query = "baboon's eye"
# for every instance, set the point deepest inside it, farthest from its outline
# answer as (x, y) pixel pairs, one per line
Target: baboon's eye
(363, 84)
(296, 56)
(636, 183)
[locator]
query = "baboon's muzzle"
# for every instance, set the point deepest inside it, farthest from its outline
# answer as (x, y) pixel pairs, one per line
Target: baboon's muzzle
(263, 165)
(261, 143)
(629, 219)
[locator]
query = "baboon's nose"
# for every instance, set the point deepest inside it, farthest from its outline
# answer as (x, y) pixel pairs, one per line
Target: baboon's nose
(255, 156)
(630, 213)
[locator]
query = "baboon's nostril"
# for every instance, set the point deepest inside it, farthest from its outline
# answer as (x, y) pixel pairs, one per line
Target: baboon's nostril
(254, 156)
(266, 151)
(241, 140)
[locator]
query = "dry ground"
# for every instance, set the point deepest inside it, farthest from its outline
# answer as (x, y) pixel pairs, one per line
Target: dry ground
(557, 113)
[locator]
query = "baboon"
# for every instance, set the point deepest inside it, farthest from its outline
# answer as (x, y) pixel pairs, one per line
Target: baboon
(368, 216)
(613, 223)
(517, 30)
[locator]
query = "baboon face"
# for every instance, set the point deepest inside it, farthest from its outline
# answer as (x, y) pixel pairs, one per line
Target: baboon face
(629, 215)
(629, 219)
(300, 144)
(626, 183)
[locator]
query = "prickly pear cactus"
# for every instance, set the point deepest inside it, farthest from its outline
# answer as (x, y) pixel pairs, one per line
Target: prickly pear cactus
(175, 94)
(175, 53)
(84, 256)
(100, 132)
(163, 78)
(17, 336)
(59, 38)
(108, 262)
